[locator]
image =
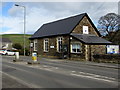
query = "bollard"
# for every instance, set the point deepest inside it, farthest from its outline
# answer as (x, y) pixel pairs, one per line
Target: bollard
(17, 59)
(16, 55)
(34, 57)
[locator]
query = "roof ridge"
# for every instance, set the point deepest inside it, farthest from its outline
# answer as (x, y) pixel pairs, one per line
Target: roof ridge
(64, 18)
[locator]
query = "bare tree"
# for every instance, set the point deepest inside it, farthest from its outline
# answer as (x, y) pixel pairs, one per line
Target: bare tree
(108, 24)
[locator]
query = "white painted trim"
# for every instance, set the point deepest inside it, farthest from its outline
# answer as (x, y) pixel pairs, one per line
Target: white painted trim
(44, 48)
(35, 42)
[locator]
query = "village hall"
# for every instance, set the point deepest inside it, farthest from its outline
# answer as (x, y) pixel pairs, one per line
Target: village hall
(74, 37)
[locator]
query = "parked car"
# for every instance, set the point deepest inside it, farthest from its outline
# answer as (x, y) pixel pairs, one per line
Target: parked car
(9, 52)
(6, 52)
(3, 52)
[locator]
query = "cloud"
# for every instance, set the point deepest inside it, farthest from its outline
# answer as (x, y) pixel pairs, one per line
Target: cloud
(38, 13)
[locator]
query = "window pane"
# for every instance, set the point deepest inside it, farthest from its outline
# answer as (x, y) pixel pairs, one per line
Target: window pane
(78, 46)
(46, 45)
(75, 48)
(59, 47)
(78, 50)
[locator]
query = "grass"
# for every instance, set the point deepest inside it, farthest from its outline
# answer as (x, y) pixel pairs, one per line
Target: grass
(18, 38)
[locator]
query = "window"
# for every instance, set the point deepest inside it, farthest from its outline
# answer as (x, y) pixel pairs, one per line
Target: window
(46, 45)
(35, 45)
(59, 44)
(85, 30)
(75, 48)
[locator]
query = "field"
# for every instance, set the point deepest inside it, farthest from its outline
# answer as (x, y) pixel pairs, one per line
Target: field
(18, 38)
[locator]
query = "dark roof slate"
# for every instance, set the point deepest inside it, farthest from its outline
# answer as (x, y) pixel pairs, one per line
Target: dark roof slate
(60, 27)
(90, 39)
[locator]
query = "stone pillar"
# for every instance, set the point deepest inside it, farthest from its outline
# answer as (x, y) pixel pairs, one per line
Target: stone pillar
(87, 53)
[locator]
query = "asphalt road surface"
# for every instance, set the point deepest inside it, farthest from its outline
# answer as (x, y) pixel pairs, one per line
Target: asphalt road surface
(56, 74)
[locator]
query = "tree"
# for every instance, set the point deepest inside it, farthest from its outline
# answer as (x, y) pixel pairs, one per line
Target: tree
(108, 24)
(17, 46)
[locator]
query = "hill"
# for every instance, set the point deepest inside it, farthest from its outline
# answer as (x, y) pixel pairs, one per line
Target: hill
(18, 38)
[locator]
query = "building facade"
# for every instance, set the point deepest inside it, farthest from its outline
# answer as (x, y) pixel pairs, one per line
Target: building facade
(75, 37)
(6, 43)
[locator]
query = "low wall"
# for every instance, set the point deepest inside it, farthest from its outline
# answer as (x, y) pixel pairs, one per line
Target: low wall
(109, 58)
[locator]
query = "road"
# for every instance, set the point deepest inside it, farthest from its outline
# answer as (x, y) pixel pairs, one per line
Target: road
(58, 74)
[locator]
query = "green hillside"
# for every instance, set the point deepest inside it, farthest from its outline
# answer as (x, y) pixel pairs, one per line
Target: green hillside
(18, 38)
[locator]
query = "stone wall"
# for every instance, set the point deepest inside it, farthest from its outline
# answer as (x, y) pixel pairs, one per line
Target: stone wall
(52, 42)
(84, 22)
(98, 49)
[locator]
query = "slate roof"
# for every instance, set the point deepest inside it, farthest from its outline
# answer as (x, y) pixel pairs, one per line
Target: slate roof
(7, 40)
(90, 39)
(60, 27)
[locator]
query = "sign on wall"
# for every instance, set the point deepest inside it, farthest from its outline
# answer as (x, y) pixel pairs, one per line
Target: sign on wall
(113, 49)
(51, 46)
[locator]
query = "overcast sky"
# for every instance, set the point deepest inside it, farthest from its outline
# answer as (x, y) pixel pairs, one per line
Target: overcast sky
(38, 13)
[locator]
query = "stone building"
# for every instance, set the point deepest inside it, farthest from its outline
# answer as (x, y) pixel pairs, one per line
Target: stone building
(74, 37)
(6, 43)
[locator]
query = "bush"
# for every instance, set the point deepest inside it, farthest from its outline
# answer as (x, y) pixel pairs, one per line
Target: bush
(20, 49)
(17, 46)
(27, 52)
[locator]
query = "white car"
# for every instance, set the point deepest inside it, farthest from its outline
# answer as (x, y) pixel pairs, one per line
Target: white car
(3, 52)
(6, 52)
(9, 52)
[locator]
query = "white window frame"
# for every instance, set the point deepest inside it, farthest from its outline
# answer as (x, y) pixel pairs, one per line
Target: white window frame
(59, 39)
(35, 44)
(75, 48)
(46, 45)
(85, 30)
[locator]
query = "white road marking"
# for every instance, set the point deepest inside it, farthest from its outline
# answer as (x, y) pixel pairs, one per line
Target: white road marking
(56, 68)
(97, 76)
(48, 69)
(73, 71)
(31, 85)
(45, 66)
(91, 77)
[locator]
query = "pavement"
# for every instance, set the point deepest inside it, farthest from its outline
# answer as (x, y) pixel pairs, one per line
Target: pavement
(90, 63)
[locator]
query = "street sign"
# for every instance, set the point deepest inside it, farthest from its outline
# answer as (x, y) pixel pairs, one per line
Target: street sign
(34, 56)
